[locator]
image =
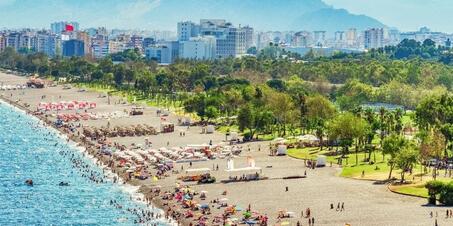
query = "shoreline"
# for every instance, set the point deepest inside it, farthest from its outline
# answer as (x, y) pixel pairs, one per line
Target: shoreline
(320, 188)
(135, 191)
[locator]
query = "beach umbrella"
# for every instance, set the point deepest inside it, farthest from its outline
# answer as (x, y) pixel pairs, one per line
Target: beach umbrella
(204, 192)
(247, 214)
(204, 206)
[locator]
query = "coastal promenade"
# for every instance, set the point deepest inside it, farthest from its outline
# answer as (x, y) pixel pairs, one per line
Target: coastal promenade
(365, 203)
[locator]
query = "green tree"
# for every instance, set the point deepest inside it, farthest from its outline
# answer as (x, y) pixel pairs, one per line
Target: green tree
(392, 146)
(347, 128)
(406, 159)
(320, 110)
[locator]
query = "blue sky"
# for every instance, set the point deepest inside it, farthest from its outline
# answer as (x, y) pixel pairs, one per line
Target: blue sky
(403, 14)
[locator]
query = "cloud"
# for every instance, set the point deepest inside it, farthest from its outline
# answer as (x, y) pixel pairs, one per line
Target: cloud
(137, 8)
(7, 2)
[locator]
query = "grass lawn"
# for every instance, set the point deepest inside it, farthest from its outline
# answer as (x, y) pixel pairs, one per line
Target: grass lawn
(416, 190)
(377, 171)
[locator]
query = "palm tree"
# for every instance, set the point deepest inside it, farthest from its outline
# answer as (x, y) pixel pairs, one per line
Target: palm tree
(382, 126)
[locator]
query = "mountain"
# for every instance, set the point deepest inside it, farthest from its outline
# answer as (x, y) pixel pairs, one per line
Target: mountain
(331, 20)
(262, 14)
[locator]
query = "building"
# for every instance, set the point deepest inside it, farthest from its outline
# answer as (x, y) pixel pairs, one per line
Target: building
(320, 38)
(86, 39)
(374, 38)
(13, 40)
(393, 37)
(302, 39)
(136, 42)
(116, 46)
(73, 48)
(351, 38)
(99, 46)
(2, 42)
(425, 33)
(163, 53)
(248, 37)
(230, 41)
(47, 44)
(148, 42)
(187, 30)
(200, 48)
(59, 27)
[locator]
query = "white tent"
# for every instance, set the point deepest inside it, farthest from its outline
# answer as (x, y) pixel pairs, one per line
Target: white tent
(308, 138)
(198, 170)
(321, 161)
(245, 169)
(281, 149)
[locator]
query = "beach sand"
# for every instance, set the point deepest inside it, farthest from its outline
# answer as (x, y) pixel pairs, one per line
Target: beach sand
(366, 203)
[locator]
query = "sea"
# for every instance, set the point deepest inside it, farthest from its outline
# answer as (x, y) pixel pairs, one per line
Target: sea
(30, 150)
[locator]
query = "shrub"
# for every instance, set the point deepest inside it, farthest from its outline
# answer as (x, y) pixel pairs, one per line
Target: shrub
(446, 195)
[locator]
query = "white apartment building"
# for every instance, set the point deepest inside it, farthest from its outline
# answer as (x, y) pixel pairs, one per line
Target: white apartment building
(351, 38)
(163, 53)
(187, 30)
(200, 48)
(116, 46)
(100, 46)
(374, 38)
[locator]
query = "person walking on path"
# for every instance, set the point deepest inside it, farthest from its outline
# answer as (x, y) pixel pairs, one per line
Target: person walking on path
(342, 206)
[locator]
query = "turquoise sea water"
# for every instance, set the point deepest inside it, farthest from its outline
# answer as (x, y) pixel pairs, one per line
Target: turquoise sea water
(29, 151)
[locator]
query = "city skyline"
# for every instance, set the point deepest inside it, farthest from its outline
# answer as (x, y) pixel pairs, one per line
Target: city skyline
(146, 14)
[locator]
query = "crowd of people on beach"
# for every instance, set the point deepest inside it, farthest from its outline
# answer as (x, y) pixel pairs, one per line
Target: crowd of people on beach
(144, 214)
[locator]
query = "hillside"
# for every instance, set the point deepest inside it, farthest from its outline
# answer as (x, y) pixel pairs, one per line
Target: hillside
(263, 14)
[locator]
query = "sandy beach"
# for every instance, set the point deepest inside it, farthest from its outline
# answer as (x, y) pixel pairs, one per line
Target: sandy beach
(365, 203)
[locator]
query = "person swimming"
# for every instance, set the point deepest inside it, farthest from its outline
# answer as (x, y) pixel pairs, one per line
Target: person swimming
(29, 182)
(63, 184)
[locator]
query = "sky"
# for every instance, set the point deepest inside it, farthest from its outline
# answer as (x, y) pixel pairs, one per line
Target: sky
(405, 15)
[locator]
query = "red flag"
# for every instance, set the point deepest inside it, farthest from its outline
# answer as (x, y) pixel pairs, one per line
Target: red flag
(69, 27)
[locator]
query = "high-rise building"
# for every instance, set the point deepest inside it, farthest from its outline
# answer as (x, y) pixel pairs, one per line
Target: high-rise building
(136, 42)
(59, 27)
(48, 44)
(13, 40)
(147, 42)
(248, 37)
(351, 38)
(230, 41)
(2, 42)
(85, 37)
(73, 47)
(302, 39)
(320, 38)
(187, 30)
(25, 41)
(374, 38)
(116, 46)
(199, 48)
(99, 46)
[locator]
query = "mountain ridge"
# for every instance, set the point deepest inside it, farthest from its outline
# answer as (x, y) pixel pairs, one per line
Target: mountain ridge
(264, 14)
